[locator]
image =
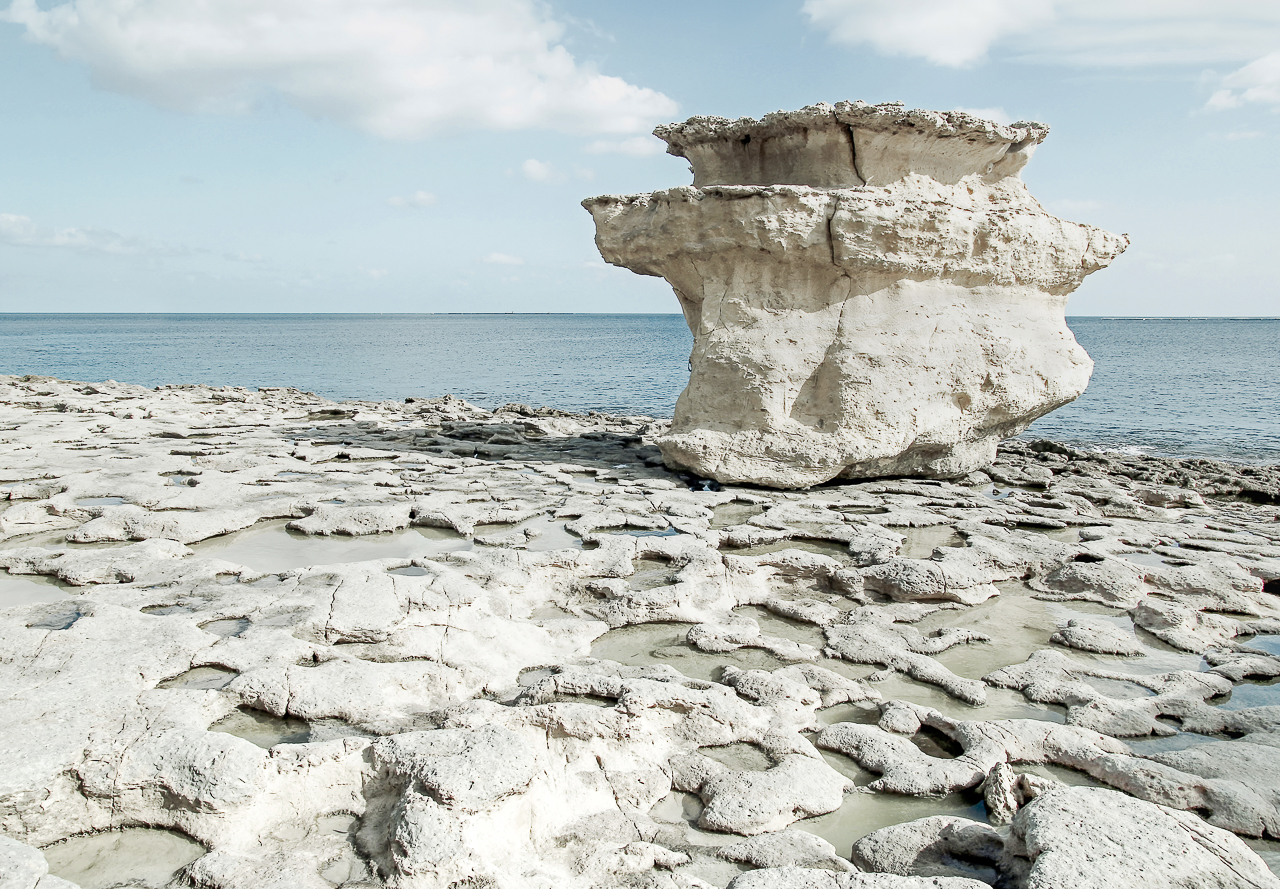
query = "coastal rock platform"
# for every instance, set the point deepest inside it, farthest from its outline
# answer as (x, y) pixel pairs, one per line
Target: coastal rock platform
(258, 638)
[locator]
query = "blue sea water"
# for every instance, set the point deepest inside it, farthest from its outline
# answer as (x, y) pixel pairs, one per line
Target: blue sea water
(1194, 387)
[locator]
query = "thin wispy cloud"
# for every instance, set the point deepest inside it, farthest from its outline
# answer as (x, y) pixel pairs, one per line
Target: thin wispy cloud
(1257, 83)
(1102, 33)
(537, 171)
(417, 200)
(502, 259)
(400, 69)
(635, 146)
(22, 231)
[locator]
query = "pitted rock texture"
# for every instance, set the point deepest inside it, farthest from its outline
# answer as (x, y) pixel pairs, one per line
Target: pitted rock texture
(872, 291)
(425, 645)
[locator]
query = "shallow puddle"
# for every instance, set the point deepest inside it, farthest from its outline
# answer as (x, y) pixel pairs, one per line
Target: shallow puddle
(862, 713)
(134, 857)
(1253, 694)
(726, 515)
(226, 627)
(1002, 703)
(267, 731)
(921, 542)
(664, 643)
(57, 618)
(830, 548)
(864, 812)
(743, 757)
(1268, 851)
(685, 809)
(202, 678)
(774, 625)
(650, 574)
(1269, 644)
(1017, 624)
(1169, 743)
(270, 548)
(29, 589)
(548, 534)
(100, 501)
(164, 610)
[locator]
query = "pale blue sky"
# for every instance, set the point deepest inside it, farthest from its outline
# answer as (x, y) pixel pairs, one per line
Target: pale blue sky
(343, 155)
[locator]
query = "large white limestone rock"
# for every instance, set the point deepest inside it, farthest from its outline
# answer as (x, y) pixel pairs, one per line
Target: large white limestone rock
(872, 291)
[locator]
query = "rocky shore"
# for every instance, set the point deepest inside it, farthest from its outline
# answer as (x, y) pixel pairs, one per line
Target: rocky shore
(258, 639)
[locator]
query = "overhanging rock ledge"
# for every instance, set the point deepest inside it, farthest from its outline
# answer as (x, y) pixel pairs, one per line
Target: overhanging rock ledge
(872, 291)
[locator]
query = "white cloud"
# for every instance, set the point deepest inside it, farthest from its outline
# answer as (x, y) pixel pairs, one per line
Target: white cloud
(502, 259)
(375, 274)
(1082, 32)
(418, 199)
(1256, 83)
(395, 68)
(636, 146)
(999, 115)
(537, 171)
(21, 231)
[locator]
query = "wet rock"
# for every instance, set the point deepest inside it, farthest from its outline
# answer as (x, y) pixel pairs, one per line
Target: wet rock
(750, 803)
(786, 848)
(940, 846)
(1099, 638)
(1084, 837)
(905, 768)
(807, 878)
(918, 580)
(881, 635)
(1053, 678)
(1108, 581)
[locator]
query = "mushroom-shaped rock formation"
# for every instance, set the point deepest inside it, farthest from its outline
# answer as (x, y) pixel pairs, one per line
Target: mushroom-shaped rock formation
(872, 291)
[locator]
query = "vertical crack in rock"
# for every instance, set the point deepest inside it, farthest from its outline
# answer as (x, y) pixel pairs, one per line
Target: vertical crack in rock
(957, 338)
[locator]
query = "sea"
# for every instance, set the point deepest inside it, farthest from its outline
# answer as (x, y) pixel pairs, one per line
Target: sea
(1201, 387)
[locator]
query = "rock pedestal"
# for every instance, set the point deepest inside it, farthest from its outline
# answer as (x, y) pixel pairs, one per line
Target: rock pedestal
(872, 291)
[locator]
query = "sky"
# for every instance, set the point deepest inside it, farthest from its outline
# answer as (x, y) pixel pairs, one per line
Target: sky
(430, 155)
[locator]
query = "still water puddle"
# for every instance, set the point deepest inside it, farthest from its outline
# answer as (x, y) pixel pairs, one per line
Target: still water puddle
(136, 857)
(100, 501)
(30, 589)
(541, 534)
(201, 678)
(864, 812)
(267, 730)
(664, 643)
(409, 571)
(726, 515)
(1002, 703)
(830, 548)
(226, 627)
(1169, 743)
(921, 542)
(1254, 694)
(271, 548)
(650, 574)
(743, 757)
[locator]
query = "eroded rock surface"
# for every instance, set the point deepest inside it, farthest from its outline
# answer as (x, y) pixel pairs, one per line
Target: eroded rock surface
(872, 291)
(428, 645)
